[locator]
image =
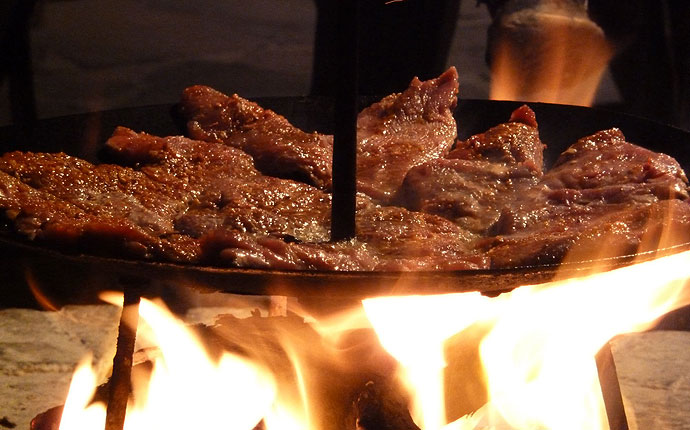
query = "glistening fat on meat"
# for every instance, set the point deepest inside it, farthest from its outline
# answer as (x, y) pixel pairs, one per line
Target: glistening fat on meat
(398, 132)
(480, 175)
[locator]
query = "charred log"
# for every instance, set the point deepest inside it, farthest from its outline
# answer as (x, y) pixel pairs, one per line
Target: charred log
(381, 406)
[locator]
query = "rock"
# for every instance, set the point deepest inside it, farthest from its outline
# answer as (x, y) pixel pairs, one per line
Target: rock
(39, 351)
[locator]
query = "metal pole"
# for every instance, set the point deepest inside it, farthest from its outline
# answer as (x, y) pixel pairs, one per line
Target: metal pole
(345, 133)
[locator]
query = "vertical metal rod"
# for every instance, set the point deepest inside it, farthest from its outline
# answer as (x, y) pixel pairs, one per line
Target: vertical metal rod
(345, 130)
(120, 381)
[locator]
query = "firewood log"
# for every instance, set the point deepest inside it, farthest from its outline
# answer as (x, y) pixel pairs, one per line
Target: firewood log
(383, 406)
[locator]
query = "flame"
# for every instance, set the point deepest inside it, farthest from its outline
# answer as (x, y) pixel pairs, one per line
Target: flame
(536, 345)
(413, 329)
(538, 354)
(186, 389)
(41, 297)
(547, 56)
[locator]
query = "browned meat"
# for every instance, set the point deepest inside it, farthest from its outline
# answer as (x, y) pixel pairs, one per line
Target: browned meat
(404, 130)
(235, 248)
(405, 240)
(604, 195)
(100, 190)
(263, 205)
(399, 132)
(470, 193)
(279, 148)
(178, 159)
(40, 215)
(388, 238)
(193, 171)
(597, 170)
(605, 161)
(480, 176)
(515, 142)
(582, 233)
(183, 200)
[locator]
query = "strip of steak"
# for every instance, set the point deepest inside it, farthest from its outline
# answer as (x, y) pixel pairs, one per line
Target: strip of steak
(515, 142)
(88, 222)
(404, 130)
(406, 240)
(229, 247)
(601, 191)
(599, 169)
(105, 189)
(191, 171)
(606, 161)
(480, 176)
(388, 238)
(222, 188)
(593, 232)
(279, 148)
(400, 131)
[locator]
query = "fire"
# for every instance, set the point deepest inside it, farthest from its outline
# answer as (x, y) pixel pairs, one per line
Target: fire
(186, 388)
(538, 353)
(535, 345)
(547, 53)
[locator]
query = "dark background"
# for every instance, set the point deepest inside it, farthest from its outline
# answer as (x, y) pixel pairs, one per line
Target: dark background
(90, 55)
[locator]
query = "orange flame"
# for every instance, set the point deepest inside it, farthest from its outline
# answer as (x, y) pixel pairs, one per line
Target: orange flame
(539, 353)
(42, 299)
(547, 56)
(537, 346)
(186, 388)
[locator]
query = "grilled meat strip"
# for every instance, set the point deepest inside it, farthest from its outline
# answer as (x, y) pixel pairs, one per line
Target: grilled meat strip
(404, 130)
(278, 148)
(222, 189)
(388, 238)
(75, 205)
(400, 131)
(105, 189)
(515, 142)
(606, 166)
(593, 232)
(406, 240)
(480, 175)
(604, 195)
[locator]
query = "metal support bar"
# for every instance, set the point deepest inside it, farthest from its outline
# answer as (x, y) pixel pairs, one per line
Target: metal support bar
(345, 136)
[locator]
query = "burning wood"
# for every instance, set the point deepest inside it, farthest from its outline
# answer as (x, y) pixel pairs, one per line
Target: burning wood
(297, 358)
(383, 408)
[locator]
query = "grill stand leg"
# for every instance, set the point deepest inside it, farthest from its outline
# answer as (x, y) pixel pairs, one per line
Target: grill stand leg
(120, 382)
